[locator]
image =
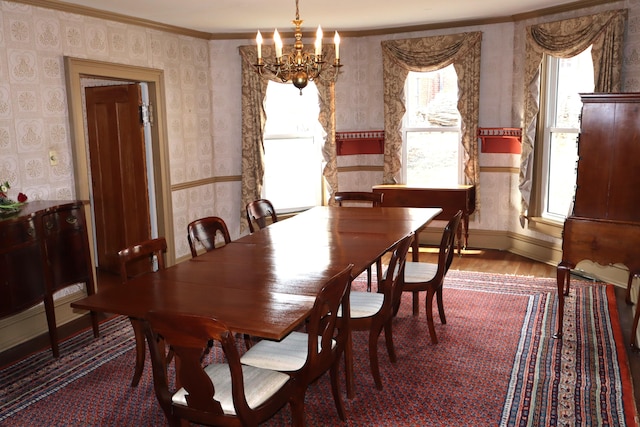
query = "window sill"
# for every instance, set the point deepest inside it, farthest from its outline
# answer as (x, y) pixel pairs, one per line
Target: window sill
(546, 226)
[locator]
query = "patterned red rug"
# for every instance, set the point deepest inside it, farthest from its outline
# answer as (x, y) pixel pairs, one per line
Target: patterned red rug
(496, 364)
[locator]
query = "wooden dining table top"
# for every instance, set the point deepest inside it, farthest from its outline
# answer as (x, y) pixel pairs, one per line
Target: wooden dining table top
(264, 284)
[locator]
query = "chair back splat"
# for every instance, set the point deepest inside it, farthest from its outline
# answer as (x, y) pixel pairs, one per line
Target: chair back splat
(258, 212)
(225, 394)
(204, 232)
(307, 356)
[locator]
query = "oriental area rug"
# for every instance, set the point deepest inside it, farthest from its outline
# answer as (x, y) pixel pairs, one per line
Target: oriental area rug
(496, 364)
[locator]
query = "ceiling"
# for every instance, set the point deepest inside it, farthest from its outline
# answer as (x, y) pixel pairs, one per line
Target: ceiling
(247, 16)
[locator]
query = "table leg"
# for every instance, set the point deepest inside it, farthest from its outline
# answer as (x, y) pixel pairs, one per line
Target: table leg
(563, 278)
(348, 366)
(459, 237)
(466, 229)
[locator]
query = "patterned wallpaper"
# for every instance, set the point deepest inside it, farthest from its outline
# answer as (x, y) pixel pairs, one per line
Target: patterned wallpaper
(203, 87)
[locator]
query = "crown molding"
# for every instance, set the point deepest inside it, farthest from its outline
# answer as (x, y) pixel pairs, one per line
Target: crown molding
(112, 16)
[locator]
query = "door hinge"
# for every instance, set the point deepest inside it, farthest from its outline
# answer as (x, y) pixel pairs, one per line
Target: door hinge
(146, 114)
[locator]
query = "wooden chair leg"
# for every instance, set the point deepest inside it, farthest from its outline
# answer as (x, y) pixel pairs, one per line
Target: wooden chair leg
(416, 303)
(374, 333)
(138, 333)
(388, 337)
(335, 389)
(443, 318)
(297, 410)
(429, 309)
(369, 279)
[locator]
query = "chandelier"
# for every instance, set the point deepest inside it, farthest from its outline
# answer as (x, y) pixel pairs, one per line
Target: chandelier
(298, 67)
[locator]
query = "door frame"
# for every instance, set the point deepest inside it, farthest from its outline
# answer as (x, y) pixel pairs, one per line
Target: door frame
(75, 70)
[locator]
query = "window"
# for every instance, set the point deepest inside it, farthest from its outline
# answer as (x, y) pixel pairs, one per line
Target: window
(432, 151)
(293, 140)
(566, 78)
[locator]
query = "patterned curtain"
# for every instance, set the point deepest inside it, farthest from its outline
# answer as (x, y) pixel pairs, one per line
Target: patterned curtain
(254, 88)
(430, 54)
(564, 39)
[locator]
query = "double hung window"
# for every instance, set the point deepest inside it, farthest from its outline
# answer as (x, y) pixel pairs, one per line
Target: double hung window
(293, 140)
(432, 152)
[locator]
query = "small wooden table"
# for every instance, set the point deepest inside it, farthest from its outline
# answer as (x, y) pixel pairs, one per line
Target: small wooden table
(450, 199)
(264, 284)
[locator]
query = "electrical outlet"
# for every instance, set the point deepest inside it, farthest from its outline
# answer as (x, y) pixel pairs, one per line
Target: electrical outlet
(53, 157)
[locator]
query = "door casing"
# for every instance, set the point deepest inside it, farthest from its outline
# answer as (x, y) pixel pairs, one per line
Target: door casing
(75, 70)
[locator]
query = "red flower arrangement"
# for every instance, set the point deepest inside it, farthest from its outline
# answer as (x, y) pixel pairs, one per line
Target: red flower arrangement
(6, 204)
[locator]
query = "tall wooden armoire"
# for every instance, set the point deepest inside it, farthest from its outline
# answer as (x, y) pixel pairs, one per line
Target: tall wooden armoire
(604, 226)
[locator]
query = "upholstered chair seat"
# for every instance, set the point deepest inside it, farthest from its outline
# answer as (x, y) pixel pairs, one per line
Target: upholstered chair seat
(259, 386)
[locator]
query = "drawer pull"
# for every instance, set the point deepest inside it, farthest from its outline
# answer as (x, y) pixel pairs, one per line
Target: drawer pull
(72, 219)
(31, 231)
(48, 225)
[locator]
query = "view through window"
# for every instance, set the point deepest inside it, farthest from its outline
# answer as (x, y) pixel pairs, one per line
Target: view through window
(431, 129)
(566, 79)
(293, 140)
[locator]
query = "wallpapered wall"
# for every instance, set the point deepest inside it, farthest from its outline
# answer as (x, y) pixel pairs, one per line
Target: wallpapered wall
(204, 113)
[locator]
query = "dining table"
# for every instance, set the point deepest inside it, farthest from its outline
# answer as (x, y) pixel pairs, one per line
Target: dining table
(264, 284)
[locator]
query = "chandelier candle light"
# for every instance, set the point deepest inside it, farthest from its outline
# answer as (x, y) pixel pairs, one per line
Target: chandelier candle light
(298, 67)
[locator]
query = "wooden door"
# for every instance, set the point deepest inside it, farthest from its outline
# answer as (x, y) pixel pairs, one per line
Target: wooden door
(118, 170)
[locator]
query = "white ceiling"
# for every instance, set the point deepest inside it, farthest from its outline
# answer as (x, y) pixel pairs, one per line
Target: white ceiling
(246, 16)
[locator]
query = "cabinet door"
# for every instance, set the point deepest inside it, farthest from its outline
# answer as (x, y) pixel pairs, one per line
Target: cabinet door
(67, 247)
(21, 273)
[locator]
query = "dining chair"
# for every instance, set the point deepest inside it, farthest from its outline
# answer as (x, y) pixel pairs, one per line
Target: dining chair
(258, 212)
(217, 393)
(362, 198)
(429, 277)
(308, 355)
(205, 232)
(136, 260)
(374, 311)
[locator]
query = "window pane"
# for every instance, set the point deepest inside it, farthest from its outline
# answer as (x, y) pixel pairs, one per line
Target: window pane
(575, 76)
(562, 173)
(431, 128)
(432, 158)
(431, 99)
(293, 181)
(288, 112)
(568, 78)
(292, 140)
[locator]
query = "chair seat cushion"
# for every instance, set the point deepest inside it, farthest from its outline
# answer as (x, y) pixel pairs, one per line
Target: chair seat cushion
(417, 272)
(259, 385)
(288, 355)
(364, 304)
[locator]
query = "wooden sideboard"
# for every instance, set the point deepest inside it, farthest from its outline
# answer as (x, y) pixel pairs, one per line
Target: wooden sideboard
(44, 248)
(450, 199)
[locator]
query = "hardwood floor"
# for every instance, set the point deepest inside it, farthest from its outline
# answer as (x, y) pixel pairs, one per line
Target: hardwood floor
(490, 261)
